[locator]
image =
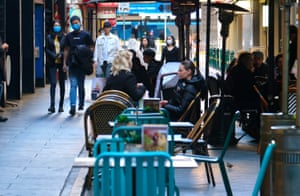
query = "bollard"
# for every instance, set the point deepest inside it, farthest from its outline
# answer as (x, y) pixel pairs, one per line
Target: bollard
(267, 120)
(285, 164)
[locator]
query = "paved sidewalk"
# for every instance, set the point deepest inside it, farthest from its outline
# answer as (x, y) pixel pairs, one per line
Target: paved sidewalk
(38, 149)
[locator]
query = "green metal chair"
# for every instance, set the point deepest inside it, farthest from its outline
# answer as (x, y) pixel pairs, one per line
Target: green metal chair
(108, 145)
(104, 145)
(219, 159)
(132, 111)
(140, 173)
(263, 168)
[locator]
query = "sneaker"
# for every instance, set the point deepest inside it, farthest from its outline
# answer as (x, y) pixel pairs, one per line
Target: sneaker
(51, 109)
(80, 107)
(3, 119)
(72, 111)
(61, 109)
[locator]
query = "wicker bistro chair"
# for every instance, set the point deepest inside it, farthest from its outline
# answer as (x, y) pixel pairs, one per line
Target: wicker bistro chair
(139, 173)
(115, 92)
(97, 116)
(115, 97)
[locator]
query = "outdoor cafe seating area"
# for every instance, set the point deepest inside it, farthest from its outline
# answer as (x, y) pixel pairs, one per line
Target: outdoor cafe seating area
(135, 150)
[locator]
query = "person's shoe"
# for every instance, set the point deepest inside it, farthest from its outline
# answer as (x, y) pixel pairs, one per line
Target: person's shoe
(72, 111)
(3, 119)
(80, 107)
(61, 109)
(51, 109)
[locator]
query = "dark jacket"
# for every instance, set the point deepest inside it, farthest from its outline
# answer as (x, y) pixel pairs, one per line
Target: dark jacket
(240, 85)
(140, 73)
(125, 81)
(185, 92)
(2, 75)
(50, 49)
(152, 72)
(170, 56)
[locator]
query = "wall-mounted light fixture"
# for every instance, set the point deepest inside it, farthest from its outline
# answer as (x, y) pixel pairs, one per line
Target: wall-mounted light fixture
(265, 15)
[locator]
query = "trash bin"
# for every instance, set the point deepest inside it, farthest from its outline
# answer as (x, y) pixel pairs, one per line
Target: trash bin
(285, 162)
(267, 121)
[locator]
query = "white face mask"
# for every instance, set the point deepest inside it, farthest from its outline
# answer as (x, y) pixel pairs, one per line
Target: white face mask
(170, 42)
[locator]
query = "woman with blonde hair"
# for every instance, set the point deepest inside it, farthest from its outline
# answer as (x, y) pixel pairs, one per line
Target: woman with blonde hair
(122, 78)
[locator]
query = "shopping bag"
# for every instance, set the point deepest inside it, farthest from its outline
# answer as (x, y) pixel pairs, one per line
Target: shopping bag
(97, 86)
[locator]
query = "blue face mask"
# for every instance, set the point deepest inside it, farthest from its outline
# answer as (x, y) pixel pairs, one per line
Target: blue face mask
(76, 26)
(57, 29)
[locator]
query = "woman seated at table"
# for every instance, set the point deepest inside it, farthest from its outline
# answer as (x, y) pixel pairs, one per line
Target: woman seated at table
(186, 89)
(122, 78)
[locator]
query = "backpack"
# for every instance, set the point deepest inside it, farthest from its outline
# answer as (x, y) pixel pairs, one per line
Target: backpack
(82, 57)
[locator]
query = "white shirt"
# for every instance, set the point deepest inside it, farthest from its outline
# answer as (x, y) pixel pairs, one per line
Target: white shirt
(106, 48)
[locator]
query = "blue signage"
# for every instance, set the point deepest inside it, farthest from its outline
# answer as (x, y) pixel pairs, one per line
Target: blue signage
(148, 8)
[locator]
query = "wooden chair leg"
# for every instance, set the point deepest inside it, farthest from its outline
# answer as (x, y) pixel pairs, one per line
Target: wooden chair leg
(225, 178)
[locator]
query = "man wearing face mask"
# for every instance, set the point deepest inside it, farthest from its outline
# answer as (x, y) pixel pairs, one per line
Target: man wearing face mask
(54, 52)
(75, 38)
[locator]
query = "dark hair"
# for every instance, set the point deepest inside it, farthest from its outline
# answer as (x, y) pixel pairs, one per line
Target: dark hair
(258, 54)
(244, 58)
(188, 65)
(173, 38)
(277, 58)
(149, 52)
(55, 21)
(141, 44)
(74, 18)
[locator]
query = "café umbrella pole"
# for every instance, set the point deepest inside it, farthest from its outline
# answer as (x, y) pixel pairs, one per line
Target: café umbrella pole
(298, 76)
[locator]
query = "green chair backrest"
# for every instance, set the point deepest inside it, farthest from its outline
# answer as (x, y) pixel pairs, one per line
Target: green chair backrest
(142, 173)
(229, 134)
(131, 110)
(108, 145)
(264, 164)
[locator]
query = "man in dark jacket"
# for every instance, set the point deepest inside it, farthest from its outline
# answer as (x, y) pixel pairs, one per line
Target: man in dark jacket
(3, 49)
(76, 74)
(153, 68)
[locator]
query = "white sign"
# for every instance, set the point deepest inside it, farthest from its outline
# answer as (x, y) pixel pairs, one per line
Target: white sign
(123, 7)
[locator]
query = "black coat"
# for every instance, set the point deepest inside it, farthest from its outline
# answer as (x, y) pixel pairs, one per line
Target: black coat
(240, 83)
(50, 48)
(185, 92)
(125, 81)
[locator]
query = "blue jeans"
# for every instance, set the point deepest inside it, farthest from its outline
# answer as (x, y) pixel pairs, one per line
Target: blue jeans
(77, 78)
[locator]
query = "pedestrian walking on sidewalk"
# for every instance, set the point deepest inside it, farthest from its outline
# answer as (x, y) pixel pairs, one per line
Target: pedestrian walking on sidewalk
(3, 49)
(54, 51)
(74, 39)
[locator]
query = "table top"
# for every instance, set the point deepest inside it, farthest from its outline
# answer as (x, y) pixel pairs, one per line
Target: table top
(178, 162)
(172, 124)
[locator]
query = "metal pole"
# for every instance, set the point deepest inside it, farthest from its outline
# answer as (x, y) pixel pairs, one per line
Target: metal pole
(271, 50)
(286, 39)
(197, 36)
(298, 75)
(208, 12)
